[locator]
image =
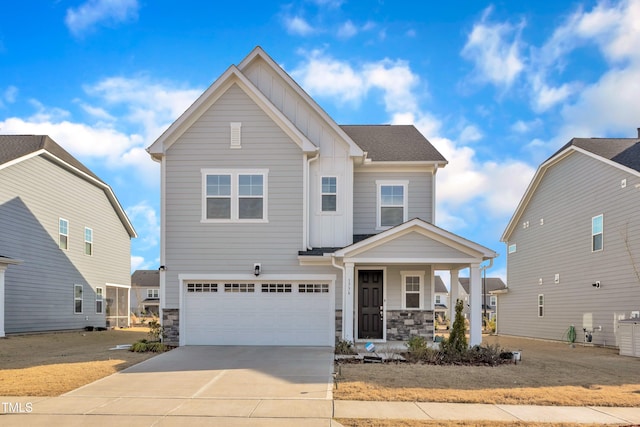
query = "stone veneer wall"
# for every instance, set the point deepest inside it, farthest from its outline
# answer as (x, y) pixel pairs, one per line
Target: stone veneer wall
(338, 325)
(402, 324)
(171, 326)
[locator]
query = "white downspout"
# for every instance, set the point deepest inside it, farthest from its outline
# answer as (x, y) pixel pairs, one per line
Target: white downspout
(307, 202)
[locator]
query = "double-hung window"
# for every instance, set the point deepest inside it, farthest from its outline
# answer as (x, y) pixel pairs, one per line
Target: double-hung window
(541, 305)
(77, 299)
(234, 195)
(88, 241)
(63, 234)
(99, 299)
(329, 194)
(153, 293)
(412, 282)
(392, 203)
(597, 228)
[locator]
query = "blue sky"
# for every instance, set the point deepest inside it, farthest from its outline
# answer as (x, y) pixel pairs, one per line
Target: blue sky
(496, 87)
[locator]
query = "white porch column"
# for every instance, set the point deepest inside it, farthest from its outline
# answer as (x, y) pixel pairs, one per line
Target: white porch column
(475, 305)
(2, 270)
(347, 302)
(453, 294)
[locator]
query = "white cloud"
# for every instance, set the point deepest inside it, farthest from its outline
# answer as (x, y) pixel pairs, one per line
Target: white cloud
(10, 94)
(146, 221)
(522, 126)
(495, 50)
(470, 133)
(95, 12)
(137, 263)
(298, 26)
(347, 30)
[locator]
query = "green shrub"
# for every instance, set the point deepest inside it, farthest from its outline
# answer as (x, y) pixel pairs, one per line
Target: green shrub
(156, 347)
(139, 347)
(456, 344)
(344, 347)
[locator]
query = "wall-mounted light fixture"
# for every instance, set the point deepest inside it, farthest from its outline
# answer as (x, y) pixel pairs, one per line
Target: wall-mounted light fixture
(596, 284)
(162, 268)
(256, 269)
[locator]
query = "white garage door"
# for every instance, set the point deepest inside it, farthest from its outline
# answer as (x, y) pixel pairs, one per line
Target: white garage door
(275, 313)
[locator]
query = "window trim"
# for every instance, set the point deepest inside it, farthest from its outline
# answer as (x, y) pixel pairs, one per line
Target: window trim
(76, 299)
(493, 301)
(60, 234)
(437, 299)
(512, 248)
(88, 242)
(379, 206)
(100, 299)
(235, 195)
(601, 233)
(153, 291)
(420, 276)
(335, 194)
(540, 305)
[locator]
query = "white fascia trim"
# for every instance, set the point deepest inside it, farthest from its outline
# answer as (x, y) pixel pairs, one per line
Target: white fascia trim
(404, 166)
(117, 285)
(9, 261)
(261, 278)
(110, 194)
(387, 261)
(354, 149)
(314, 260)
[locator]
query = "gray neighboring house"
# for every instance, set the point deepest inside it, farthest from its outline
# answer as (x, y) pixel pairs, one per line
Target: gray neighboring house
(573, 245)
(64, 238)
(441, 299)
(280, 227)
(145, 292)
(490, 288)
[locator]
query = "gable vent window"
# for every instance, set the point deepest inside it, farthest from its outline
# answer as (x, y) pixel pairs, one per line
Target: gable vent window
(236, 134)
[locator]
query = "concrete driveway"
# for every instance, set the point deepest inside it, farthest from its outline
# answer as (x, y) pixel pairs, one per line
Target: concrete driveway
(212, 385)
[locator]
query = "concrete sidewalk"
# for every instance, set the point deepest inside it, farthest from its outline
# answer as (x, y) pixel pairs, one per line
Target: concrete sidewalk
(137, 411)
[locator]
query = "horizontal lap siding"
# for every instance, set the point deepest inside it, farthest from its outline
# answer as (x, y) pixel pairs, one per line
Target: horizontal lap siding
(365, 197)
(569, 195)
(233, 248)
(413, 245)
(39, 292)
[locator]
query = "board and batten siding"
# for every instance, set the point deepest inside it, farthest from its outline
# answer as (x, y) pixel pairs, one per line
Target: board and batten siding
(570, 194)
(326, 229)
(39, 293)
(365, 197)
(193, 246)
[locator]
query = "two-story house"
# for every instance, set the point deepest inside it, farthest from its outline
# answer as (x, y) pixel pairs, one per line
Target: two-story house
(67, 236)
(573, 243)
(281, 227)
(490, 285)
(145, 292)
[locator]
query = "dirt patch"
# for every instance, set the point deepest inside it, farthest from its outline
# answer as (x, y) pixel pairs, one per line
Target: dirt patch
(54, 363)
(550, 373)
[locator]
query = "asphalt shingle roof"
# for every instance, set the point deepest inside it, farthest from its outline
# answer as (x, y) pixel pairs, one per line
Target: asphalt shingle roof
(493, 284)
(145, 278)
(13, 147)
(388, 143)
(439, 286)
(624, 151)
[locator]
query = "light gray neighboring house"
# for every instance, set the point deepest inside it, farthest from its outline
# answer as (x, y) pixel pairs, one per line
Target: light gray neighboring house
(491, 287)
(64, 238)
(441, 299)
(573, 244)
(280, 227)
(145, 292)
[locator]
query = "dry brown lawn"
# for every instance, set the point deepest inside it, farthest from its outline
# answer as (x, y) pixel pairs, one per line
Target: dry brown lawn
(550, 373)
(54, 363)
(359, 422)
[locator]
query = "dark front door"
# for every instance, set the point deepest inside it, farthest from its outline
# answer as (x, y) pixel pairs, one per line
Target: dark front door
(370, 310)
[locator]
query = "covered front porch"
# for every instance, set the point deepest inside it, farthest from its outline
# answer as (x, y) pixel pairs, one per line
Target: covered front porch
(388, 282)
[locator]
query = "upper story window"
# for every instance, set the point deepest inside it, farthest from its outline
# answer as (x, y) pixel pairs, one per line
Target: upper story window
(512, 248)
(234, 195)
(438, 299)
(63, 234)
(88, 241)
(597, 227)
(153, 293)
(392, 203)
(493, 301)
(412, 286)
(329, 194)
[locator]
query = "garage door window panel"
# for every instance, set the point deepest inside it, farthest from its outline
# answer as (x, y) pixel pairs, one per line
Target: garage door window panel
(239, 287)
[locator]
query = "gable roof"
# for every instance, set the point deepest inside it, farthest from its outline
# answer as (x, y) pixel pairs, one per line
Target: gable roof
(16, 148)
(439, 286)
(622, 153)
(145, 278)
(492, 284)
(394, 143)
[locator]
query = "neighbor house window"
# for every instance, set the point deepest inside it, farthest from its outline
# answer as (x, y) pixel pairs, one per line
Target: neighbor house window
(99, 300)
(329, 194)
(153, 293)
(77, 299)
(412, 287)
(596, 233)
(493, 300)
(234, 196)
(88, 241)
(512, 248)
(63, 233)
(540, 305)
(392, 203)
(438, 299)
